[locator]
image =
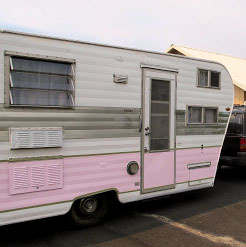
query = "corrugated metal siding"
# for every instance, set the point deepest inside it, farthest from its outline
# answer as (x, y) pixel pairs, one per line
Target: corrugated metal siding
(192, 141)
(74, 147)
(95, 89)
(80, 123)
(216, 129)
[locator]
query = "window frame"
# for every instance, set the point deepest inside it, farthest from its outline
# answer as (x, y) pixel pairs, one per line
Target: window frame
(8, 78)
(203, 115)
(209, 78)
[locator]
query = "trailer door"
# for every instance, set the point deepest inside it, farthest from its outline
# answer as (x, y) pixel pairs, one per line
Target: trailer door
(158, 135)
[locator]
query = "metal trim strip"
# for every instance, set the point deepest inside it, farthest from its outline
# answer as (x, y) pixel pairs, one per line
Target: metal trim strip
(199, 165)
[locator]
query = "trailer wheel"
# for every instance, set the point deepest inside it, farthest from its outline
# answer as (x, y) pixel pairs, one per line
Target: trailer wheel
(90, 210)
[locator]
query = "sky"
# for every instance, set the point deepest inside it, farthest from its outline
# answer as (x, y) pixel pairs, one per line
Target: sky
(212, 25)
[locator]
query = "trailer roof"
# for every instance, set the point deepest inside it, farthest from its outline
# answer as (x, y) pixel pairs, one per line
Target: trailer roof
(106, 45)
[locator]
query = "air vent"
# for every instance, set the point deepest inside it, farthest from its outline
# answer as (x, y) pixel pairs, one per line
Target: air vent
(20, 178)
(37, 176)
(34, 176)
(35, 137)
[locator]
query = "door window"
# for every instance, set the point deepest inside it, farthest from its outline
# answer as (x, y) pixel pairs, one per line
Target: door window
(159, 120)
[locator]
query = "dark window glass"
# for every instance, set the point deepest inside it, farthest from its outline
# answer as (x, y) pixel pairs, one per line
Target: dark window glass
(159, 127)
(160, 90)
(159, 138)
(203, 78)
(41, 98)
(41, 83)
(194, 114)
(210, 115)
(41, 66)
(159, 108)
(215, 79)
(159, 144)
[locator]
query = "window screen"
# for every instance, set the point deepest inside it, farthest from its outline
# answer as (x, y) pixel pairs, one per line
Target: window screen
(215, 79)
(41, 83)
(194, 114)
(159, 125)
(203, 78)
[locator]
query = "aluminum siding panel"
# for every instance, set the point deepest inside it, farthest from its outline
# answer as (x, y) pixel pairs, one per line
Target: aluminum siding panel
(95, 66)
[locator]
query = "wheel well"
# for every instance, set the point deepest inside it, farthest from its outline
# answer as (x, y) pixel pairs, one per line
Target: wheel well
(112, 194)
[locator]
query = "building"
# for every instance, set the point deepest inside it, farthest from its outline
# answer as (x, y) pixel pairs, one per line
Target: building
(236, 66)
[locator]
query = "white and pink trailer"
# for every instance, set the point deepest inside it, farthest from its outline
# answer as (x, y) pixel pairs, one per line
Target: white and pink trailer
(82, 122)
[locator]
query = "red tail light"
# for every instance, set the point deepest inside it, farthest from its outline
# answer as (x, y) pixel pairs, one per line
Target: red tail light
(243, 144)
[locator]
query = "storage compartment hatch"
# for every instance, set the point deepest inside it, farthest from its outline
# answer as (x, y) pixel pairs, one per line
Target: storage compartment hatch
(30, 176)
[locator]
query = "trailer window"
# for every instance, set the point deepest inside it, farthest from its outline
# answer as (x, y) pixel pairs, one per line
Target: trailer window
(160, 101)
(215, 79)
(202, 115)
(210, 115)
(41, 83)
(194, 114)
(203, 78)
(208, 79)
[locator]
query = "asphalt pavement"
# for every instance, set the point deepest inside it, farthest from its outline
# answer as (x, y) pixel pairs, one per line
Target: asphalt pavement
(208, 217)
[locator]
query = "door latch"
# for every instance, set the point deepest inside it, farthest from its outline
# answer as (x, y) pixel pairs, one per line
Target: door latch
(147, 133)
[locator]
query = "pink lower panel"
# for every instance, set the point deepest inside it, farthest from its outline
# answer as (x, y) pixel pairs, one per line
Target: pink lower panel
(81, 175)
(192, 156)
(158, 169)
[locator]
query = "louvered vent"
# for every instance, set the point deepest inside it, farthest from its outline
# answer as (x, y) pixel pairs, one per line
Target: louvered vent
(35, 137)
(53, 174)
(33, 176)
(37, 176)
(20, 177)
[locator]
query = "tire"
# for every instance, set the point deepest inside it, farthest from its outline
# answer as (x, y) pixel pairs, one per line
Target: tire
(89, 211)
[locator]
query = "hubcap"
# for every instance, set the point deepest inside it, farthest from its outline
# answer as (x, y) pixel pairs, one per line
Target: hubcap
(88, 205)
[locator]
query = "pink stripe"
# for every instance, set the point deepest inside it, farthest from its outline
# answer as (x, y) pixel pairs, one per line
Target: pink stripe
(84, 175)
(4, 168)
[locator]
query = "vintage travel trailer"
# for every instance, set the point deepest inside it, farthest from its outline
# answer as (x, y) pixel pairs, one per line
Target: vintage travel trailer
(81, 123)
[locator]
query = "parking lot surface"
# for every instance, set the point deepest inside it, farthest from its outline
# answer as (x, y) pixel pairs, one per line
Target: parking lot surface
(209, 217)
